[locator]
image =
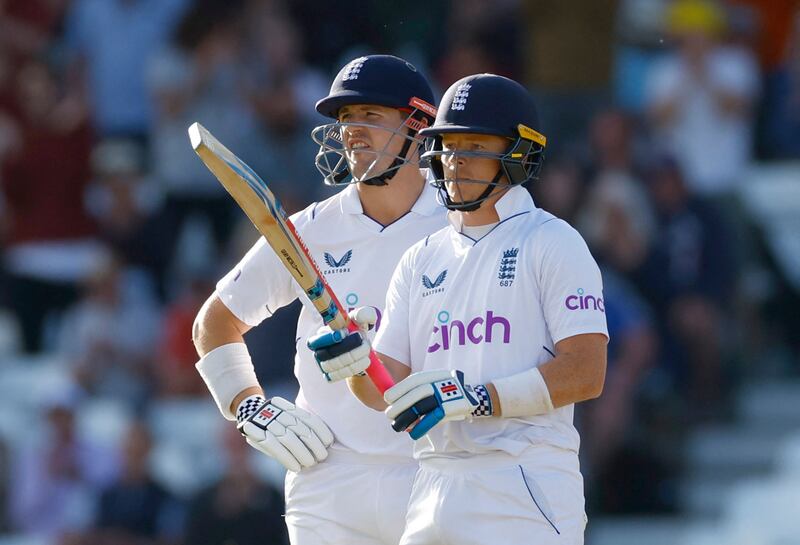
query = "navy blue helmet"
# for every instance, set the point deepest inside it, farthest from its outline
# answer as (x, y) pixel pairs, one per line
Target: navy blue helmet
(382, 80)
(492, 105)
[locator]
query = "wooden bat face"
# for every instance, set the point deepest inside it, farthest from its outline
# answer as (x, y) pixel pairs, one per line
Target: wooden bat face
(268, 216)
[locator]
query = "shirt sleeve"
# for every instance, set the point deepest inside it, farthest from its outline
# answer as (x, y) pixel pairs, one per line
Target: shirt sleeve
(257, 286)
(393, 337)
(570, 283)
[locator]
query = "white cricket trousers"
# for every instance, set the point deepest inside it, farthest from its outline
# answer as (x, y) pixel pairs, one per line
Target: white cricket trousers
(349, 499)
(534, 499)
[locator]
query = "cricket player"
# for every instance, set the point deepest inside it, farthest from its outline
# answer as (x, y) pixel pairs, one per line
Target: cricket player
(497, 327)
(360, 493)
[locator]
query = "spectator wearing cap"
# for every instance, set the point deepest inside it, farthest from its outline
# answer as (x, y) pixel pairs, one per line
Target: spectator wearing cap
(700, 99)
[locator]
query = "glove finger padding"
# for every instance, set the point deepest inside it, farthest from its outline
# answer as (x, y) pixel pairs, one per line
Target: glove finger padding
(403, 420)
(289, 439)
(274, 449)
(340, 354)
(352, 358)
(412, 381)
(409, 399)
(292, 436)
(314, 422)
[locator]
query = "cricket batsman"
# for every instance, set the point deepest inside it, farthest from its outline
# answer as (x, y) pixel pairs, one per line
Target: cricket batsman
(496, 326)
(358, 496)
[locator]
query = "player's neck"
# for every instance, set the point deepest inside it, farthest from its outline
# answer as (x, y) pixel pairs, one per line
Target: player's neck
(386, 204)
(482, 216)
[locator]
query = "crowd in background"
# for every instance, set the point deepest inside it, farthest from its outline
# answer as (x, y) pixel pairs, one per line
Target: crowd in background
(113, 233)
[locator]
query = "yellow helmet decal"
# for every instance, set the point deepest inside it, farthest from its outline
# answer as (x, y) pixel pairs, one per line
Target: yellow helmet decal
(530, 134)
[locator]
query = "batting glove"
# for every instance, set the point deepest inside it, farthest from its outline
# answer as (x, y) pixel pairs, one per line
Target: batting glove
(340, 353)
(424, 399)
(276, 427)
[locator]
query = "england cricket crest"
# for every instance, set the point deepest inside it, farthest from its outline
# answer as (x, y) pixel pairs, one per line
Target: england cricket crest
(507, 270)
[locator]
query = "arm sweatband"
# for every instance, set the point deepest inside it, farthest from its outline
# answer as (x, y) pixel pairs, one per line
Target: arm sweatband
(523, 394)
(227, 371)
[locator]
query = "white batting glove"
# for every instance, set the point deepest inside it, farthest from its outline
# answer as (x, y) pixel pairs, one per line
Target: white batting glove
(276, 427)
(426, 398)
(340, 353)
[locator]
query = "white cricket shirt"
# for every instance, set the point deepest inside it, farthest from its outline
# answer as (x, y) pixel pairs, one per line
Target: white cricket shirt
(357, 256)
(493, 308)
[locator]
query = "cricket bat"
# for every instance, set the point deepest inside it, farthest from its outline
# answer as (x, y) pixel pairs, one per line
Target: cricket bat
(265, 211)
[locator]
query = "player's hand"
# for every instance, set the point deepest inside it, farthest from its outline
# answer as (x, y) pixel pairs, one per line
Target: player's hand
(340, 353)
(424, 399)
(276, 427)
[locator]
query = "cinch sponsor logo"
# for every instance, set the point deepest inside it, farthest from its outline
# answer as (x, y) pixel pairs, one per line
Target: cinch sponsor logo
(481, 329)
(584, 302)
(338, 265)
(352, 303)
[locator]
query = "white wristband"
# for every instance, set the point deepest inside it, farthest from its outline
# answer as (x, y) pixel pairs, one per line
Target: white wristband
(227, 371)
(523, 394)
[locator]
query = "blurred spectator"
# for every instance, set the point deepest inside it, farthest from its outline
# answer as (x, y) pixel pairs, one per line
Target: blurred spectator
(5, 478)
(615, 146)
(570, 77)
(283, 91)
(618, 222)
(779, 52)
(111, 42)
(613, 422)
(50, 245)
(240, 508)
(701, 98)
(689, 278)
(617, 218)
(135, 509)
(198, 77)
(126, 205)
(480, 37)
(55, 479)
(561, 190)
(109, 336)
(28, 27)
(175, 371)
(640, 36)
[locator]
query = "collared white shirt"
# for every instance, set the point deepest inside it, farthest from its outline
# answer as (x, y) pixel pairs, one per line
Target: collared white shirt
(357, 256)
(493, 307)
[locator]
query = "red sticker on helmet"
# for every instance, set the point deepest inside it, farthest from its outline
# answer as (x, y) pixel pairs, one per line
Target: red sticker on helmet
(420, 104)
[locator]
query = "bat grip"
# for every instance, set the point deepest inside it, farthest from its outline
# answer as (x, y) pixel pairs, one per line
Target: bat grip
(377, 373)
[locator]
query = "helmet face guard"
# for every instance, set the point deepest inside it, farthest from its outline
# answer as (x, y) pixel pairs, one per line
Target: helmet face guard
(336, 162)
(520, 163)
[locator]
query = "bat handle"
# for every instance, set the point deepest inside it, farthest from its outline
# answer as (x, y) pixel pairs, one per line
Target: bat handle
(377, 373)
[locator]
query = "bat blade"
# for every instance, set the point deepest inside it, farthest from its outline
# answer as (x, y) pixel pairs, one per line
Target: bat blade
(267, 215)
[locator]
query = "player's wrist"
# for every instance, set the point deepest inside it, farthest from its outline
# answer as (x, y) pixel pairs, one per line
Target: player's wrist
(227, 371)
(486, 406)
(523, 394)
(248, 406)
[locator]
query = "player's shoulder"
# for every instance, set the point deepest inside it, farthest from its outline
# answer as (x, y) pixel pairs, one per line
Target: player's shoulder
(547, 231)
(318, 212)
(426, 246)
